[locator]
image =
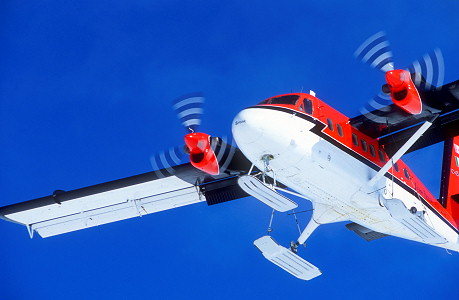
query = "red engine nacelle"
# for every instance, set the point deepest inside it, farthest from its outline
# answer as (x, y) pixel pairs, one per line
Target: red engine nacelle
(403, 91)
(202, 155)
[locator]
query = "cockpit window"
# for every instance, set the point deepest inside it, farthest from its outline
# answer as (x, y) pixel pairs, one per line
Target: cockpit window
(304, 105)
(308, 106)
(264, 101)
(289, 99)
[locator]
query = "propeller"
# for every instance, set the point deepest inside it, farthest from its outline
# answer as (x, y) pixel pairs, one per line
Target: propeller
(163, 163)
(213, 155)
(189, 110)
(429, 71)
(376, 103)
(401, 85)
(376, 52)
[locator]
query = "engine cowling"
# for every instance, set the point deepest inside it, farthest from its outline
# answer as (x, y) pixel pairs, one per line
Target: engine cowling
(403, 92)
(202, 156)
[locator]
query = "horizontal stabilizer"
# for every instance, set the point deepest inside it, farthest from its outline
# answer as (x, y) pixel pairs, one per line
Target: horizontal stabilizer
(413, 221)
(286, 259)
(259, 190)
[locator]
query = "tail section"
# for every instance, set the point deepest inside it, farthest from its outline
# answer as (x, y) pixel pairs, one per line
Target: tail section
(449, 193)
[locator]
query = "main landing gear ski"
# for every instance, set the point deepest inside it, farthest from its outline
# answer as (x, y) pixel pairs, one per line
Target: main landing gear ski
(285, 258)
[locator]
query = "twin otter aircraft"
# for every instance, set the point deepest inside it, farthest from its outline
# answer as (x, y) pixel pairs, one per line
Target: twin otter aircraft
(349, 168)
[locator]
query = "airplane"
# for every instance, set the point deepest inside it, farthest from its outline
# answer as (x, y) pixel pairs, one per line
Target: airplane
(350, 169)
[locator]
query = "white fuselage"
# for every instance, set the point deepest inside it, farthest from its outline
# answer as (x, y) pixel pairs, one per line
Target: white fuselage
(331, 178)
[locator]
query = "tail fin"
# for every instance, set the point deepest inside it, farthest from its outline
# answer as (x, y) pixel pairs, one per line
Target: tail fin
(449, 191)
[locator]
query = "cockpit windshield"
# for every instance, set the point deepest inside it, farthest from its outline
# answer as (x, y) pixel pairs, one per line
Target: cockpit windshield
(304, 105)
(289, 99)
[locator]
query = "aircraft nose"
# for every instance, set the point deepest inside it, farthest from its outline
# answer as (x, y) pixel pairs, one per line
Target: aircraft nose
(247, 127)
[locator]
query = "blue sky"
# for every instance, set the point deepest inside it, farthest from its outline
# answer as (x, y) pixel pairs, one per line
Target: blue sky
(85, 93)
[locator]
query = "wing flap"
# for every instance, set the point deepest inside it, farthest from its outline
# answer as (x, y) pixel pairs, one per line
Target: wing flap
(116, 212)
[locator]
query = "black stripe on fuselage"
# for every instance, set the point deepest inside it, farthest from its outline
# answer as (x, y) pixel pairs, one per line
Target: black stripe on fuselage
(318, 129)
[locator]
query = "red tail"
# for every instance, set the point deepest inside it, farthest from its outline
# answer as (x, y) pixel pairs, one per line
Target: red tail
(450, 177)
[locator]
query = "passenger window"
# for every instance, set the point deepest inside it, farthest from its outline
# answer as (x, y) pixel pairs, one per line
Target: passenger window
(396, 167)
(301, 107)
(381, 156)
(407, 174)
(330, 124)
(355, 140)
(364, 145)
(372, 151)
(340, 130)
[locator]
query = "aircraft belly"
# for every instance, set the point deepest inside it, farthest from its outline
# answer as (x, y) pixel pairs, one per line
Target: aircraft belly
(322, 172)
(305, 162)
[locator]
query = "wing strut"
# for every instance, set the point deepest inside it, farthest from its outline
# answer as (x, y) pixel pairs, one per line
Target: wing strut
(401, 151)
(31, 230)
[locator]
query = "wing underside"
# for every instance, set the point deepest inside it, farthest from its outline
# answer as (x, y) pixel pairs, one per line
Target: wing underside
(121, 199)
(393, 127)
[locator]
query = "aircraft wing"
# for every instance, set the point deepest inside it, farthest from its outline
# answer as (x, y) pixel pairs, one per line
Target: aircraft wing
(121, 199)
(393, 127)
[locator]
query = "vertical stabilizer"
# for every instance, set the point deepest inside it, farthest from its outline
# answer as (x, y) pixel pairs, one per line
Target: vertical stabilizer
(449, 192)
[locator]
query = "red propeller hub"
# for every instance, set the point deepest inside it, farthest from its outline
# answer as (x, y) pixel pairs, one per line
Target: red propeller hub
(403, 91)
(202, 155)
